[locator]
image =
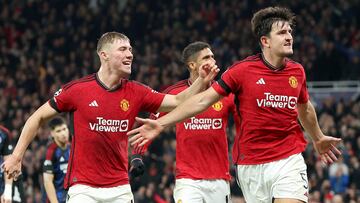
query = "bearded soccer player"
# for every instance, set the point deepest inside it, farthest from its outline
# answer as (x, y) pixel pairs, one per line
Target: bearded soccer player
(102, 107)
(202, 161)
(272, 94)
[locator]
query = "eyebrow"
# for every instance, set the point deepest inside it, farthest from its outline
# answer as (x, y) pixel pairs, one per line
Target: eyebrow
(208, 56)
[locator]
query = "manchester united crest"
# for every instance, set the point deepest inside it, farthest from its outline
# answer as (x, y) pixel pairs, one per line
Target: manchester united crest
(217, 106)
(124, 105)
(293, 82)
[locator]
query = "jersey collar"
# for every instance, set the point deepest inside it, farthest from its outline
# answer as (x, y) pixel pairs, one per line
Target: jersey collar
(104, 86)
(271, 67)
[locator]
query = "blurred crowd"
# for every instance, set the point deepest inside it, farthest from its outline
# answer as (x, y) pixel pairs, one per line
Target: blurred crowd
(44, 44)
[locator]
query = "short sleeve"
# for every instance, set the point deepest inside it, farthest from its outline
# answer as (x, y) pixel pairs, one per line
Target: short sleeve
(63, 100)
(304, 94)
(48, 166)
(230, 81)
(151, 99)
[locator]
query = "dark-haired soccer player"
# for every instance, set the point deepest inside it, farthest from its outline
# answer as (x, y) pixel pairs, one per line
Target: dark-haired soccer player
(103, 107)
(272, 92)
(10, 190)
(56, 161)
(202, 161)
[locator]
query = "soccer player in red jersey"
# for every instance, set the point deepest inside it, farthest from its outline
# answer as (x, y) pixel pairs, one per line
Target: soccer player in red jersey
(102, 107)
(272, 94)
(202, 162)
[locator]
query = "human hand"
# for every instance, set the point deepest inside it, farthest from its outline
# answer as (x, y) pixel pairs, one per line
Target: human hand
(208, 71)
(326, 147)
(12, 167)
(143, 134)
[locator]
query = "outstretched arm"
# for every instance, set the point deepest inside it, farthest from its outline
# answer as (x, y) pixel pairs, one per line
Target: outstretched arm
(207, 73)
(192, 106)
(324, 145)
(12, 166)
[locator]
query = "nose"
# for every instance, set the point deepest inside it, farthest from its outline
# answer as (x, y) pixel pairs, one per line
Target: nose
(129, 54)
(289, 36)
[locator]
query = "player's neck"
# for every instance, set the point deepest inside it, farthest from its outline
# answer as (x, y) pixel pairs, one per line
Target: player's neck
(109, 78)
(60, 144)
(192, 78)
(275, 61)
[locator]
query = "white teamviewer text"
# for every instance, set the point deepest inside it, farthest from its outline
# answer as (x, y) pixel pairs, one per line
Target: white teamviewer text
(109, 125)
(277, 101)
(203, 124)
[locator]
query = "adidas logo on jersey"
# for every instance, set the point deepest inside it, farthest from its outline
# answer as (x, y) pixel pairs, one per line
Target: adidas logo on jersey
(261, 81)
(94, 104)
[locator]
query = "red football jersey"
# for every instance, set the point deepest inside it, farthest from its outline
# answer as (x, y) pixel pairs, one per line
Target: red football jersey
(201, 141)
(268, 99)
(100, 119)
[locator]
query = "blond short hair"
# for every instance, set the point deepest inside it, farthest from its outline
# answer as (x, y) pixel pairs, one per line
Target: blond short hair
(109, 38)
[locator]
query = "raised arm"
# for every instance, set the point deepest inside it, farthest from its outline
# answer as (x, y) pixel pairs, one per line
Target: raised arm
(12, 166)
(192, 106)
(324, 145)
(207, 73)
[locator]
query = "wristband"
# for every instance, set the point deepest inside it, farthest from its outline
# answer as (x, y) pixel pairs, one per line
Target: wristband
(8, 191)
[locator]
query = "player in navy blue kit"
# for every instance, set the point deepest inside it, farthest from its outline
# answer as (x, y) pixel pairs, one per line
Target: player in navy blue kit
(11, 191)
(56, 161)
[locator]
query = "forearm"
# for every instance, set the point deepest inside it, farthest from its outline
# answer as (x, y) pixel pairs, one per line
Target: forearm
(192, 106)
(27, 135)
(196, 87)
(8, 184)
(308, 119)
(50, 191)
(37, 119)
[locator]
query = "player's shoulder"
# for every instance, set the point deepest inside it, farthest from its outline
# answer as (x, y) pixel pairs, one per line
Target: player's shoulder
(177, 87)
(133, 84)
(245, 62)
(79, 82)
(5, 131)
(294, 65)
(51, 147)
(291, 62)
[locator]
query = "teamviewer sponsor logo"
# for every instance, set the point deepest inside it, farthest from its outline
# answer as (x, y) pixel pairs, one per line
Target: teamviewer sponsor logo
(277, 101)
(109, 125)
(203, 124)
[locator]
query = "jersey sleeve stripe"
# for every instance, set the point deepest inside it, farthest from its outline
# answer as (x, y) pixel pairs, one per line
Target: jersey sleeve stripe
(224, 86)
(53, 105)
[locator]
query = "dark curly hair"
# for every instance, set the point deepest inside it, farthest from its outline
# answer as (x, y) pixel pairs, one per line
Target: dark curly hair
(263, 20)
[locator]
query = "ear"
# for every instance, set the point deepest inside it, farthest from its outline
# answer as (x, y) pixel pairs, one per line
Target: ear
(191, 65)
(265, 41)
(104, 55)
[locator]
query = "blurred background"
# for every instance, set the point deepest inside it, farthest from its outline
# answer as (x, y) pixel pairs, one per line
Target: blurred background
(44, 44)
